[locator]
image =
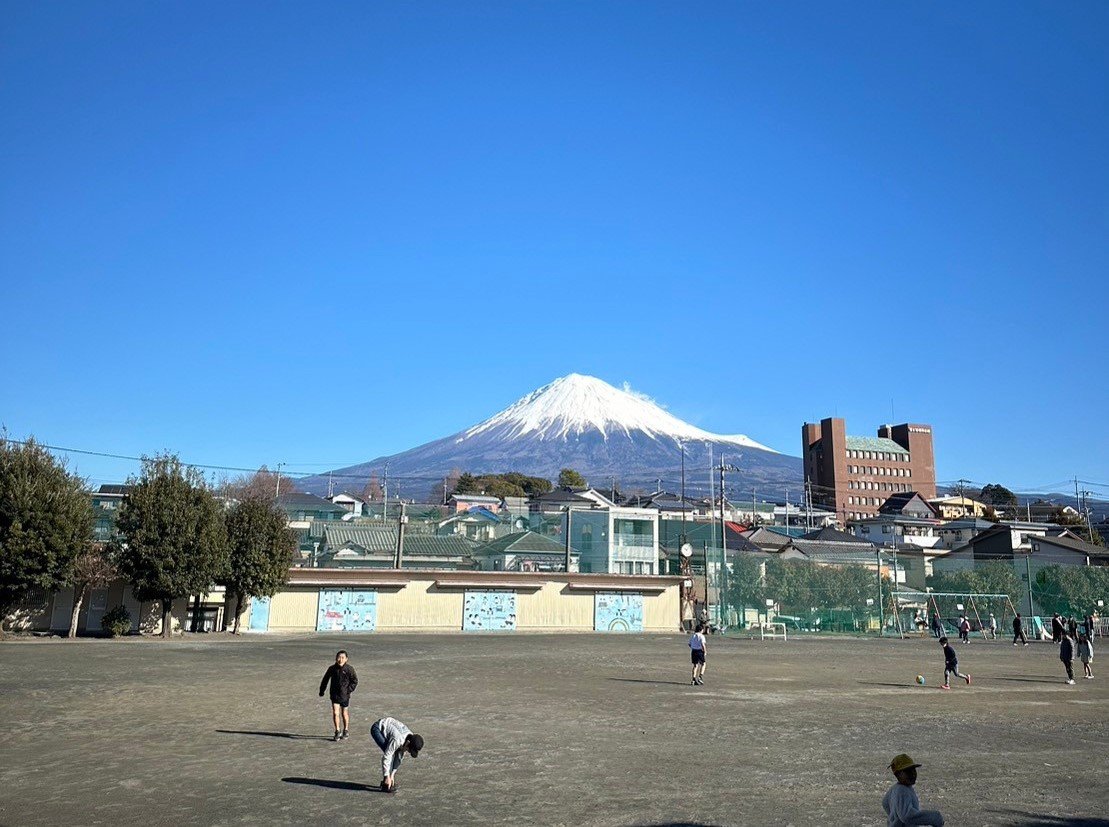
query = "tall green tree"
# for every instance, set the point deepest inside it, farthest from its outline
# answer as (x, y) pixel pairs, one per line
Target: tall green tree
(999, 495)
(46, 520)
(569, 478)
(173, 540)
(261, 549)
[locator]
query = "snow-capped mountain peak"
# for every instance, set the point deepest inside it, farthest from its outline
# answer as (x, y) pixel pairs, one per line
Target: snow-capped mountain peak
(574, 404)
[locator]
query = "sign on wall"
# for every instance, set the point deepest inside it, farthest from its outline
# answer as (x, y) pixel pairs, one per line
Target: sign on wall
(346, 610)
(618, 612)
(489, 611)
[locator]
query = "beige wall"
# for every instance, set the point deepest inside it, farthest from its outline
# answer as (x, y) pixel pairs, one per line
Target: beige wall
(419, 605)
(406, 602)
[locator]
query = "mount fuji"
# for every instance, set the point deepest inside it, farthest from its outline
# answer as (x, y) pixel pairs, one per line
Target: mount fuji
(583, 423)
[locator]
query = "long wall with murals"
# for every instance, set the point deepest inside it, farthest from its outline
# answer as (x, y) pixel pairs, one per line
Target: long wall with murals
(341, 600)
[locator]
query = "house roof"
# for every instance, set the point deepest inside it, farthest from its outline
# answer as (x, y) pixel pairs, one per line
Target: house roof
(832, 535)
(385, 540)
(700, 532)
(115, 490)
(834, 551)
(295, 499)
(764, 538)
(897, 503)
(874, 443)
(522, 542)
(475, 513)
(1081, 546)
(476, 498)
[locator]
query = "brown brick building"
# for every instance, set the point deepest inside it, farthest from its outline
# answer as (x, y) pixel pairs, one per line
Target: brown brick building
(854, 475)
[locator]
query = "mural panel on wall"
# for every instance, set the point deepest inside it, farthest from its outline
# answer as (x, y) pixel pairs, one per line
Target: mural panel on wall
(489, 611)
(618, 612)
(346, 610)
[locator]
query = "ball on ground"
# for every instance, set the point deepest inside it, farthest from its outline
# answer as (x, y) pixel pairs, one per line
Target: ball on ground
(920, 679)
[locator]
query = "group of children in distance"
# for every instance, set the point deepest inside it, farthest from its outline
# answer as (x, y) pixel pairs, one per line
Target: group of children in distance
(393, 738)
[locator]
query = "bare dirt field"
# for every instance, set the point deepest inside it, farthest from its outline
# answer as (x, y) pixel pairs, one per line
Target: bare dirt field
(544, 729)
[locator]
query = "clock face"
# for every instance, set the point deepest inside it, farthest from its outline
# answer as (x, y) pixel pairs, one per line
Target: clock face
(686, 550)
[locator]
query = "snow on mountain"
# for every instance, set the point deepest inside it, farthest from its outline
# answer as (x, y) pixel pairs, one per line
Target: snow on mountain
(575, 404)
(583, 423)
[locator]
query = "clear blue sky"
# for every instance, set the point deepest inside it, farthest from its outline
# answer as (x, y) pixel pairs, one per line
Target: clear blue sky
(274, 232)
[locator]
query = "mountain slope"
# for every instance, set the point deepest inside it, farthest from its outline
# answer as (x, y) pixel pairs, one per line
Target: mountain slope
(583, 423)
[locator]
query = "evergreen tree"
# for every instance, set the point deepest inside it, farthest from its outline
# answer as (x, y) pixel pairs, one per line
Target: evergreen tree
(569, 478)
(46, 520)
(172, 533)
(260, 550)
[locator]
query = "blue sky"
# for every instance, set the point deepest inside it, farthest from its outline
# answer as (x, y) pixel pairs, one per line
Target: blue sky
(274, 232)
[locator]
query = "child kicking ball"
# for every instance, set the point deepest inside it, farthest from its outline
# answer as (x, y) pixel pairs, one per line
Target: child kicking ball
(950, 664)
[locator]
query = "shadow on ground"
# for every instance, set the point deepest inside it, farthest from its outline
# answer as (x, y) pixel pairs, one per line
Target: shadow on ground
(1023, 818)
(898, 685)
(1029, 680)
(333, 785)
(644, 680)
(273, 734)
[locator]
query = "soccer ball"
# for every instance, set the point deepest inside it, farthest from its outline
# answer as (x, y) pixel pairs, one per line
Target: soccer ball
(920, 679)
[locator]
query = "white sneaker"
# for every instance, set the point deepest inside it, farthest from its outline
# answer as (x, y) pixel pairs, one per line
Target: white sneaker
(1071, 682)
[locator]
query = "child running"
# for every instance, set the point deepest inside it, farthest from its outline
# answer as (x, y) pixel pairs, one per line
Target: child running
(343, 681)
(901, 803)
(697, 649)
(950, 664)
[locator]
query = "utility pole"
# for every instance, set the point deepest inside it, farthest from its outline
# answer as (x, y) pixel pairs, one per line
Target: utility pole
(385, 495)
(752, 508)
(330, 486)
(277, 487)
(682, 444)
(1089, 523)
(402, 521)
(723, 534)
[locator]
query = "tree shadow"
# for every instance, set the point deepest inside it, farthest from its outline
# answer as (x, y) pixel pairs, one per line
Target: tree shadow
(644, 680)
(1022, 818)
(334, 785)
(274, 734)
(1031, 680)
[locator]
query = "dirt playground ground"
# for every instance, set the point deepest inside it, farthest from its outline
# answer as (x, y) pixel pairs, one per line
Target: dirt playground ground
(544, 729)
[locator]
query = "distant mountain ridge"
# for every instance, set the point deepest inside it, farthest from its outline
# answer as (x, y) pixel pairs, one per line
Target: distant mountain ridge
(583, 423)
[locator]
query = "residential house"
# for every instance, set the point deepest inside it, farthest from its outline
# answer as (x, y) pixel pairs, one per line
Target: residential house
(365, 546)
(958, 508)
(478, 525)
(524, 551)
(354, 505)
(464, 502)
(615, 540)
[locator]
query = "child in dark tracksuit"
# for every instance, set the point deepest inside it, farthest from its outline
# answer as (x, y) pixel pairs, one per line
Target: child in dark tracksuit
(1066, 655)
(950, 664)
(343, 680)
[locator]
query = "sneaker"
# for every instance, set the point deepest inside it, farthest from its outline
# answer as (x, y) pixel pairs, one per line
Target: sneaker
(945, 686)
(1014, 644)
(968, 680)
(345, 734)
(1025, 644)
(692, 681)
(1070, 681)
(337, 735)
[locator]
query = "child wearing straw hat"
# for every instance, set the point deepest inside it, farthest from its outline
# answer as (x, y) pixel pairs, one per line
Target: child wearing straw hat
(901, 803)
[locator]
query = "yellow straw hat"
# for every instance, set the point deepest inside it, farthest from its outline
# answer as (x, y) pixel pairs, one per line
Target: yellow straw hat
(902, 762)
